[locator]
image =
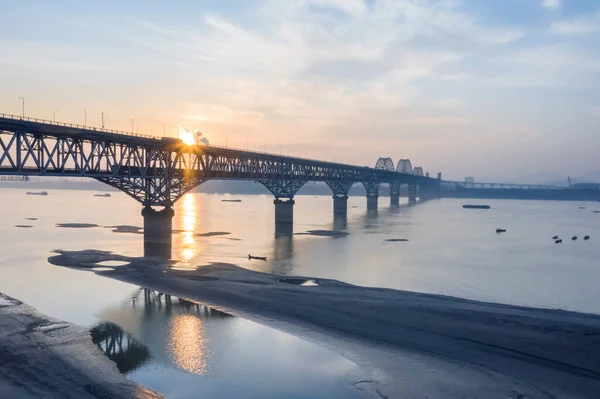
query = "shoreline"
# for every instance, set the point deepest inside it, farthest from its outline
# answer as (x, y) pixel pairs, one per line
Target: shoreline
(416, 345)
(44, 357)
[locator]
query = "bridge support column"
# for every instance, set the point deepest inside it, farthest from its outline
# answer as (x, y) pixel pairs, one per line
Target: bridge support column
(412, 193)
(284, 216)
(340, 196)
(158, 228)
(284, 209)
(340, 205)
(395, 194)
(372, 202)
(372, 189)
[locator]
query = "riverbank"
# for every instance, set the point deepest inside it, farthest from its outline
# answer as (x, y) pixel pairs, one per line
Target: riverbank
(415, 345)
(43, 357)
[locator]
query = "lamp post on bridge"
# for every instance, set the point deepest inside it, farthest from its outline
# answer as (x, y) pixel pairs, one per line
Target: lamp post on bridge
(102, 115)
(84, 116)
(54, 115)
(22, 107)
(132, 124)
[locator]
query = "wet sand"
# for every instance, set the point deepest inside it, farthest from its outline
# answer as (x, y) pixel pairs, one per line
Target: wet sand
(416, 345)
(42, 358)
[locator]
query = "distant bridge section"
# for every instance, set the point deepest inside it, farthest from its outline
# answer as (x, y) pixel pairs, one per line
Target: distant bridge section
(158, 171)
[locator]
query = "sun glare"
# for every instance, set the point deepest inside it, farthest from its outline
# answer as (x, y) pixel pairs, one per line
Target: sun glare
(187, 136)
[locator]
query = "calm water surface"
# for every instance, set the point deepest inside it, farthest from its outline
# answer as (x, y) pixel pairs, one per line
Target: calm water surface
(450, 251)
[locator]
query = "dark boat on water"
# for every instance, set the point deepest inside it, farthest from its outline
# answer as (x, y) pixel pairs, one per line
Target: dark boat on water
(476, 206)
(231, 200)
(257, 257)
(36, 193)
(500, 230)
(102, 195)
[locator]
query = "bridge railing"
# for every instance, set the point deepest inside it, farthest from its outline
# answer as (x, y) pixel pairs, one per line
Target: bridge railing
(484, 185)
(83, 127)
(278, 155)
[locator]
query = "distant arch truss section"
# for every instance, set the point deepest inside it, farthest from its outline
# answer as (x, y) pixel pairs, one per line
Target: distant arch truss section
(404, 166)
(385, 164)
(418, 171)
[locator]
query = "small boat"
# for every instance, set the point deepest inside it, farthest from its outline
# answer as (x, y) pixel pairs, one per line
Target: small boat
(558, 241)
(500, 230)
(102, 195)
(232, 200)
(574, 238)
(586, 237)
(555, 238)
(476, 206)
(36, 193)
(257, 257)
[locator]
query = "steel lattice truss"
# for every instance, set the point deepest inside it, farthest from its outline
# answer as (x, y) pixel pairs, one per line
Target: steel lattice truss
(395, 188)
(418, 171)
(385, 164)
(156, 172)
(340, 188)
(372, 188)
(404, 166)
(283, 188)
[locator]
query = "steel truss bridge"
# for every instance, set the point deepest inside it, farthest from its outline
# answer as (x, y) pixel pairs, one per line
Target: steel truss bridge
(453, 185)
(158, 171)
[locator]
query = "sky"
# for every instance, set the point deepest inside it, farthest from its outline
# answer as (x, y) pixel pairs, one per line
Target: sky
(502, 90)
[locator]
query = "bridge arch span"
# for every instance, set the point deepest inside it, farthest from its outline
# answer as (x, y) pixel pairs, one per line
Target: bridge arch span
(404, 166)
(385, 164)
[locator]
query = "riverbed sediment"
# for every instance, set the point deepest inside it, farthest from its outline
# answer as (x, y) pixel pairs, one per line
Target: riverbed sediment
(417, 345)
(45, 358)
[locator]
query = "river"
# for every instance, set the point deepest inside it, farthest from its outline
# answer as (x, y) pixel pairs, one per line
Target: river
(177, 348)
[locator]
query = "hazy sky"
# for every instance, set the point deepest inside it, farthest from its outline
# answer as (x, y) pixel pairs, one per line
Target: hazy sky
(498, 89)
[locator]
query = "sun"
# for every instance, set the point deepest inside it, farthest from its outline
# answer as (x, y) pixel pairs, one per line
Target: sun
(187, 136)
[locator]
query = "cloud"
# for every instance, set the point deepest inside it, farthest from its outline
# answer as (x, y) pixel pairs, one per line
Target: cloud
(552, 5)
(577, 26)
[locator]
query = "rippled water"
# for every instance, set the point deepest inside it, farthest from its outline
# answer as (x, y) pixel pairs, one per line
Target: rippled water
(448, 251)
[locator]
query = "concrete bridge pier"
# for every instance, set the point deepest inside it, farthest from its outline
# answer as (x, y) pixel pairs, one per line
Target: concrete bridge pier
(412, 193)
(340, 191)
(158, 230)
(340, 205)
(372, 189)
(284, 191)
(395, 194)
(372, 202)
(284, 216)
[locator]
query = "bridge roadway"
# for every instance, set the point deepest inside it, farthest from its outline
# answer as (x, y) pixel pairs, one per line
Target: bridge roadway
(158, 171)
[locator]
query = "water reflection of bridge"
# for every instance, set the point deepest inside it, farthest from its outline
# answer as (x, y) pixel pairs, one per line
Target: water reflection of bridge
(177, 332)
(119, 346)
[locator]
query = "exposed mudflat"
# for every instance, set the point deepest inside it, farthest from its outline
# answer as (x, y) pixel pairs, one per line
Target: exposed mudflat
(324, 233)
(126, 229)
(45, 358)
(212, 234)
(23, 226)
(77, 225)
(417, 345)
